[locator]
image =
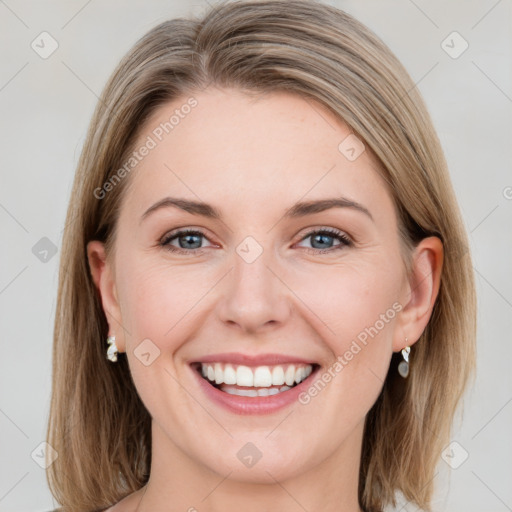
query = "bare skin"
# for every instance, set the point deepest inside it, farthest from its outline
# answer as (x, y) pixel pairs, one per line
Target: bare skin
(252, 159)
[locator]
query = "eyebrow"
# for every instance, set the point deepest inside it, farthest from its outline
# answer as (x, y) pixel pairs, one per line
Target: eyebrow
(300, 209)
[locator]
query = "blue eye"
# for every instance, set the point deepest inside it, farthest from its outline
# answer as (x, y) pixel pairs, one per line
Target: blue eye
(189, 241)
(187, 237)
(323, 237)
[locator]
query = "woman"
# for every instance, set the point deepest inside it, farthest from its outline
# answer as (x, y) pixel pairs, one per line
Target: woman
(265, 299)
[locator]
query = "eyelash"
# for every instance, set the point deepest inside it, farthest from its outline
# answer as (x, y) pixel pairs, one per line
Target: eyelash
(345, 241)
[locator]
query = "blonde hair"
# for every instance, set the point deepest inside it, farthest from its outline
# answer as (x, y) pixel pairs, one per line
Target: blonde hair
(97, 423)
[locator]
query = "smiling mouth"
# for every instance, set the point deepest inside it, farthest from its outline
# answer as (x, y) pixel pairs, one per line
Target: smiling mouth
(271, 380)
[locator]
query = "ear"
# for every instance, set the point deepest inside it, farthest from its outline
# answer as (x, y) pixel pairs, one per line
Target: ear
(103, 277)
(421, 292)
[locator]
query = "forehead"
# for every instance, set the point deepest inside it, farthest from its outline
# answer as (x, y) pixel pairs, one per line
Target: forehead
(274, 147)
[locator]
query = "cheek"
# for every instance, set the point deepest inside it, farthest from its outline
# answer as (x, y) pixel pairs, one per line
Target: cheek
(356, 307)
(160, 308)
(361, 347)
(163, 302)
(357, 310)
(349, 298)
(153, 300)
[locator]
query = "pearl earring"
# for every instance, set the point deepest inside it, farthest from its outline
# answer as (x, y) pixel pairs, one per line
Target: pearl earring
(112, 349)
(403, 367)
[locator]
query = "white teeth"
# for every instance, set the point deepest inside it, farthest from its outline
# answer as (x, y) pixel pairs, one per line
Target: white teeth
(244, 376)
(260, 377)
(289, 376)
(229, 374)
(278, 375)
(219, 377)
(254, 392)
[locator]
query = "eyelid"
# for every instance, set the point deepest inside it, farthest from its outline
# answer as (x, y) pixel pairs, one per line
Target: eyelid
(308, 232)
(328, 229)
(345, 240)
(184, 230)
(178, 232)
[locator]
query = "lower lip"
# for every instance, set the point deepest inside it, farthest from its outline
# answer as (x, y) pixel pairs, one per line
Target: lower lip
(257, 404)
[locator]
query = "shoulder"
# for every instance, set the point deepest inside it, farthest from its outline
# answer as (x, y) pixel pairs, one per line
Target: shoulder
(127, 504)
(110, 509)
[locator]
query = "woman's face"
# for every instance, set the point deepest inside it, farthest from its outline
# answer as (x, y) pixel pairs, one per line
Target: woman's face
(264, 277)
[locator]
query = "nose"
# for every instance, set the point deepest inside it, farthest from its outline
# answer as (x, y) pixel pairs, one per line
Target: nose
(254, 298)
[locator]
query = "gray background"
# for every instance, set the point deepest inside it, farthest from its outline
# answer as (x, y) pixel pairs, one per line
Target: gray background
(46, 105)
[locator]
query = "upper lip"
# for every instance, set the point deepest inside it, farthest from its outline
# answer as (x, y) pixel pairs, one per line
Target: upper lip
(252, 360)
